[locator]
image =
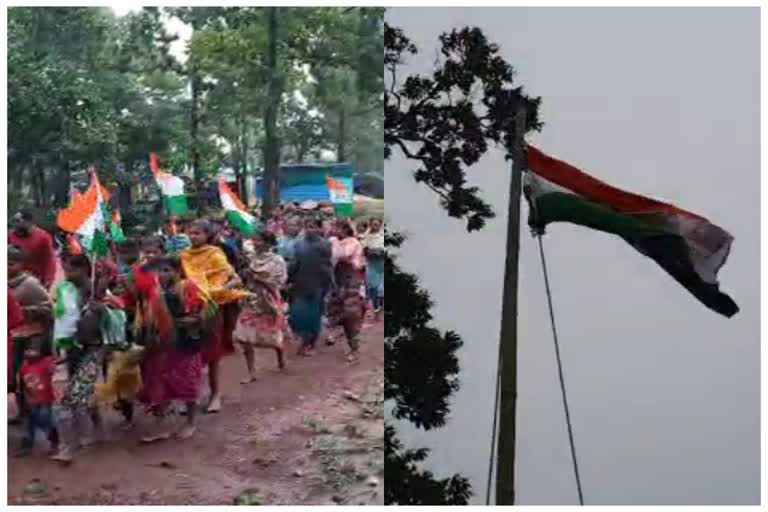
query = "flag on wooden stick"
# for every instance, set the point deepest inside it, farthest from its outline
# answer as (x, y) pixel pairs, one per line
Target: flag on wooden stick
(86, 216)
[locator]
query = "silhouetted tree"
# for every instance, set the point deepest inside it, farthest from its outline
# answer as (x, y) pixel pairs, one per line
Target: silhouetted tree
(420, 371)
(444, 123)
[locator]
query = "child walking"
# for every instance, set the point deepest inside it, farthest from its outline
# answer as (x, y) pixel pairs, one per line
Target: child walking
(35, 374)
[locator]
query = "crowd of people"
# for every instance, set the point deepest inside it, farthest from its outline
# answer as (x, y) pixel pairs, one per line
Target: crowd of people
(137, 329)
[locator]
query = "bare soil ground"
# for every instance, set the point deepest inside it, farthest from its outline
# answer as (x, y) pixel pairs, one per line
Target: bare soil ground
(311, 434)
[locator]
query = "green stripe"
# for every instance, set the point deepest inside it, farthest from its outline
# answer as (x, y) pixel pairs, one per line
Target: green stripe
(97, 245)
(650, 234)
(116, 232)
(343, 209)
(176, 205)
(671, 253)
(241, 224)
(563, 207)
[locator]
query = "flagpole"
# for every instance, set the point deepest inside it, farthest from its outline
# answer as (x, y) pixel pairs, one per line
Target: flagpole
(505, 454)
(93, 277)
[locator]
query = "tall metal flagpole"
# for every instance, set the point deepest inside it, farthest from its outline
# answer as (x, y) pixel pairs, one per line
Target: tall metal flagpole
(505, 454)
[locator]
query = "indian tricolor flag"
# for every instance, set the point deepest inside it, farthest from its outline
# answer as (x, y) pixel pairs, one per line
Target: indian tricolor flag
(687, 246)
(171, 188)
(235, 211)
(340, 192)
(86, 216)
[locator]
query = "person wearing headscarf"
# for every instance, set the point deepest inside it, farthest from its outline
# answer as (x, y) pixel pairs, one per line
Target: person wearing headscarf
(261, 322)
(207, 265)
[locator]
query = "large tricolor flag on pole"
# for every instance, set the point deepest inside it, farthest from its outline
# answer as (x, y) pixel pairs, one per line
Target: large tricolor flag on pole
(687, 246)
(340, 192)
(86, 216)
(235, 211)
(171, 188)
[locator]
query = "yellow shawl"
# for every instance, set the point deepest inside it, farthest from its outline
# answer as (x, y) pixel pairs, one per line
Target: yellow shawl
(208, 267)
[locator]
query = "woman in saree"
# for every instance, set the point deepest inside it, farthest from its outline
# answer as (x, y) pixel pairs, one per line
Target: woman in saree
(207, 265)
(346, 306)
(262, 321)
(179, 315)
(37, 316)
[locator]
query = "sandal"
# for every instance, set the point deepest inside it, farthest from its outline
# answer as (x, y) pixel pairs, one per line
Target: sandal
(154, 438)
(214, 406)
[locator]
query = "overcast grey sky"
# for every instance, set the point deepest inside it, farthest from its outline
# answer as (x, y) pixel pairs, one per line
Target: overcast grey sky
(665, 394)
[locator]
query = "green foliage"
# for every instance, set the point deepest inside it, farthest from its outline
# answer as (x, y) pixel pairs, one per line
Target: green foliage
(84, 88)
(445, 122)
(407, 484)
(89, 88)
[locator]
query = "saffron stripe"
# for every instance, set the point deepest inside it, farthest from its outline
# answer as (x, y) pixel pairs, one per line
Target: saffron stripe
(568, 176)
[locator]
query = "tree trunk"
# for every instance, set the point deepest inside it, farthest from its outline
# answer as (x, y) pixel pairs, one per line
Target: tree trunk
(123, 180)
(301, 153)
(62, 185)
(194, 122)
(243, 157)
(341, 143)
(271, 144)
(38, 178)
(238, 163)
(16, 179)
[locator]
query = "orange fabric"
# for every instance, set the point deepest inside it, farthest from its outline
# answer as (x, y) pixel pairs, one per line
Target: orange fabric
(209, 268)
(153, 165)
(83, 206)
(224, 189)
(568, 176)
(335, 185)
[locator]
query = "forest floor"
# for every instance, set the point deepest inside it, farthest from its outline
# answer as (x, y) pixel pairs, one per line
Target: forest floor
(310, 434)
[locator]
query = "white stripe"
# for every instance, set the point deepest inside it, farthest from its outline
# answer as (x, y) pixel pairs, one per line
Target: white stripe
(708, 245)
(94, 220)
(170, 185)
(537, 186)
(229, 204)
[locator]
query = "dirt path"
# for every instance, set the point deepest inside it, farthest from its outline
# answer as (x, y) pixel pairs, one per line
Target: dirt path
(312, 434)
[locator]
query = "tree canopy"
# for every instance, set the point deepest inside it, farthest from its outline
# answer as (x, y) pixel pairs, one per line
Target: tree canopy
(243, 87)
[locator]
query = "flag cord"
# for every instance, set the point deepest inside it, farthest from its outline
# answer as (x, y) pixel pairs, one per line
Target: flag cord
(539, 236)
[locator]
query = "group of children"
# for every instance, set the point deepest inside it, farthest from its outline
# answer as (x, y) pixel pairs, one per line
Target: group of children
(142, 325)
